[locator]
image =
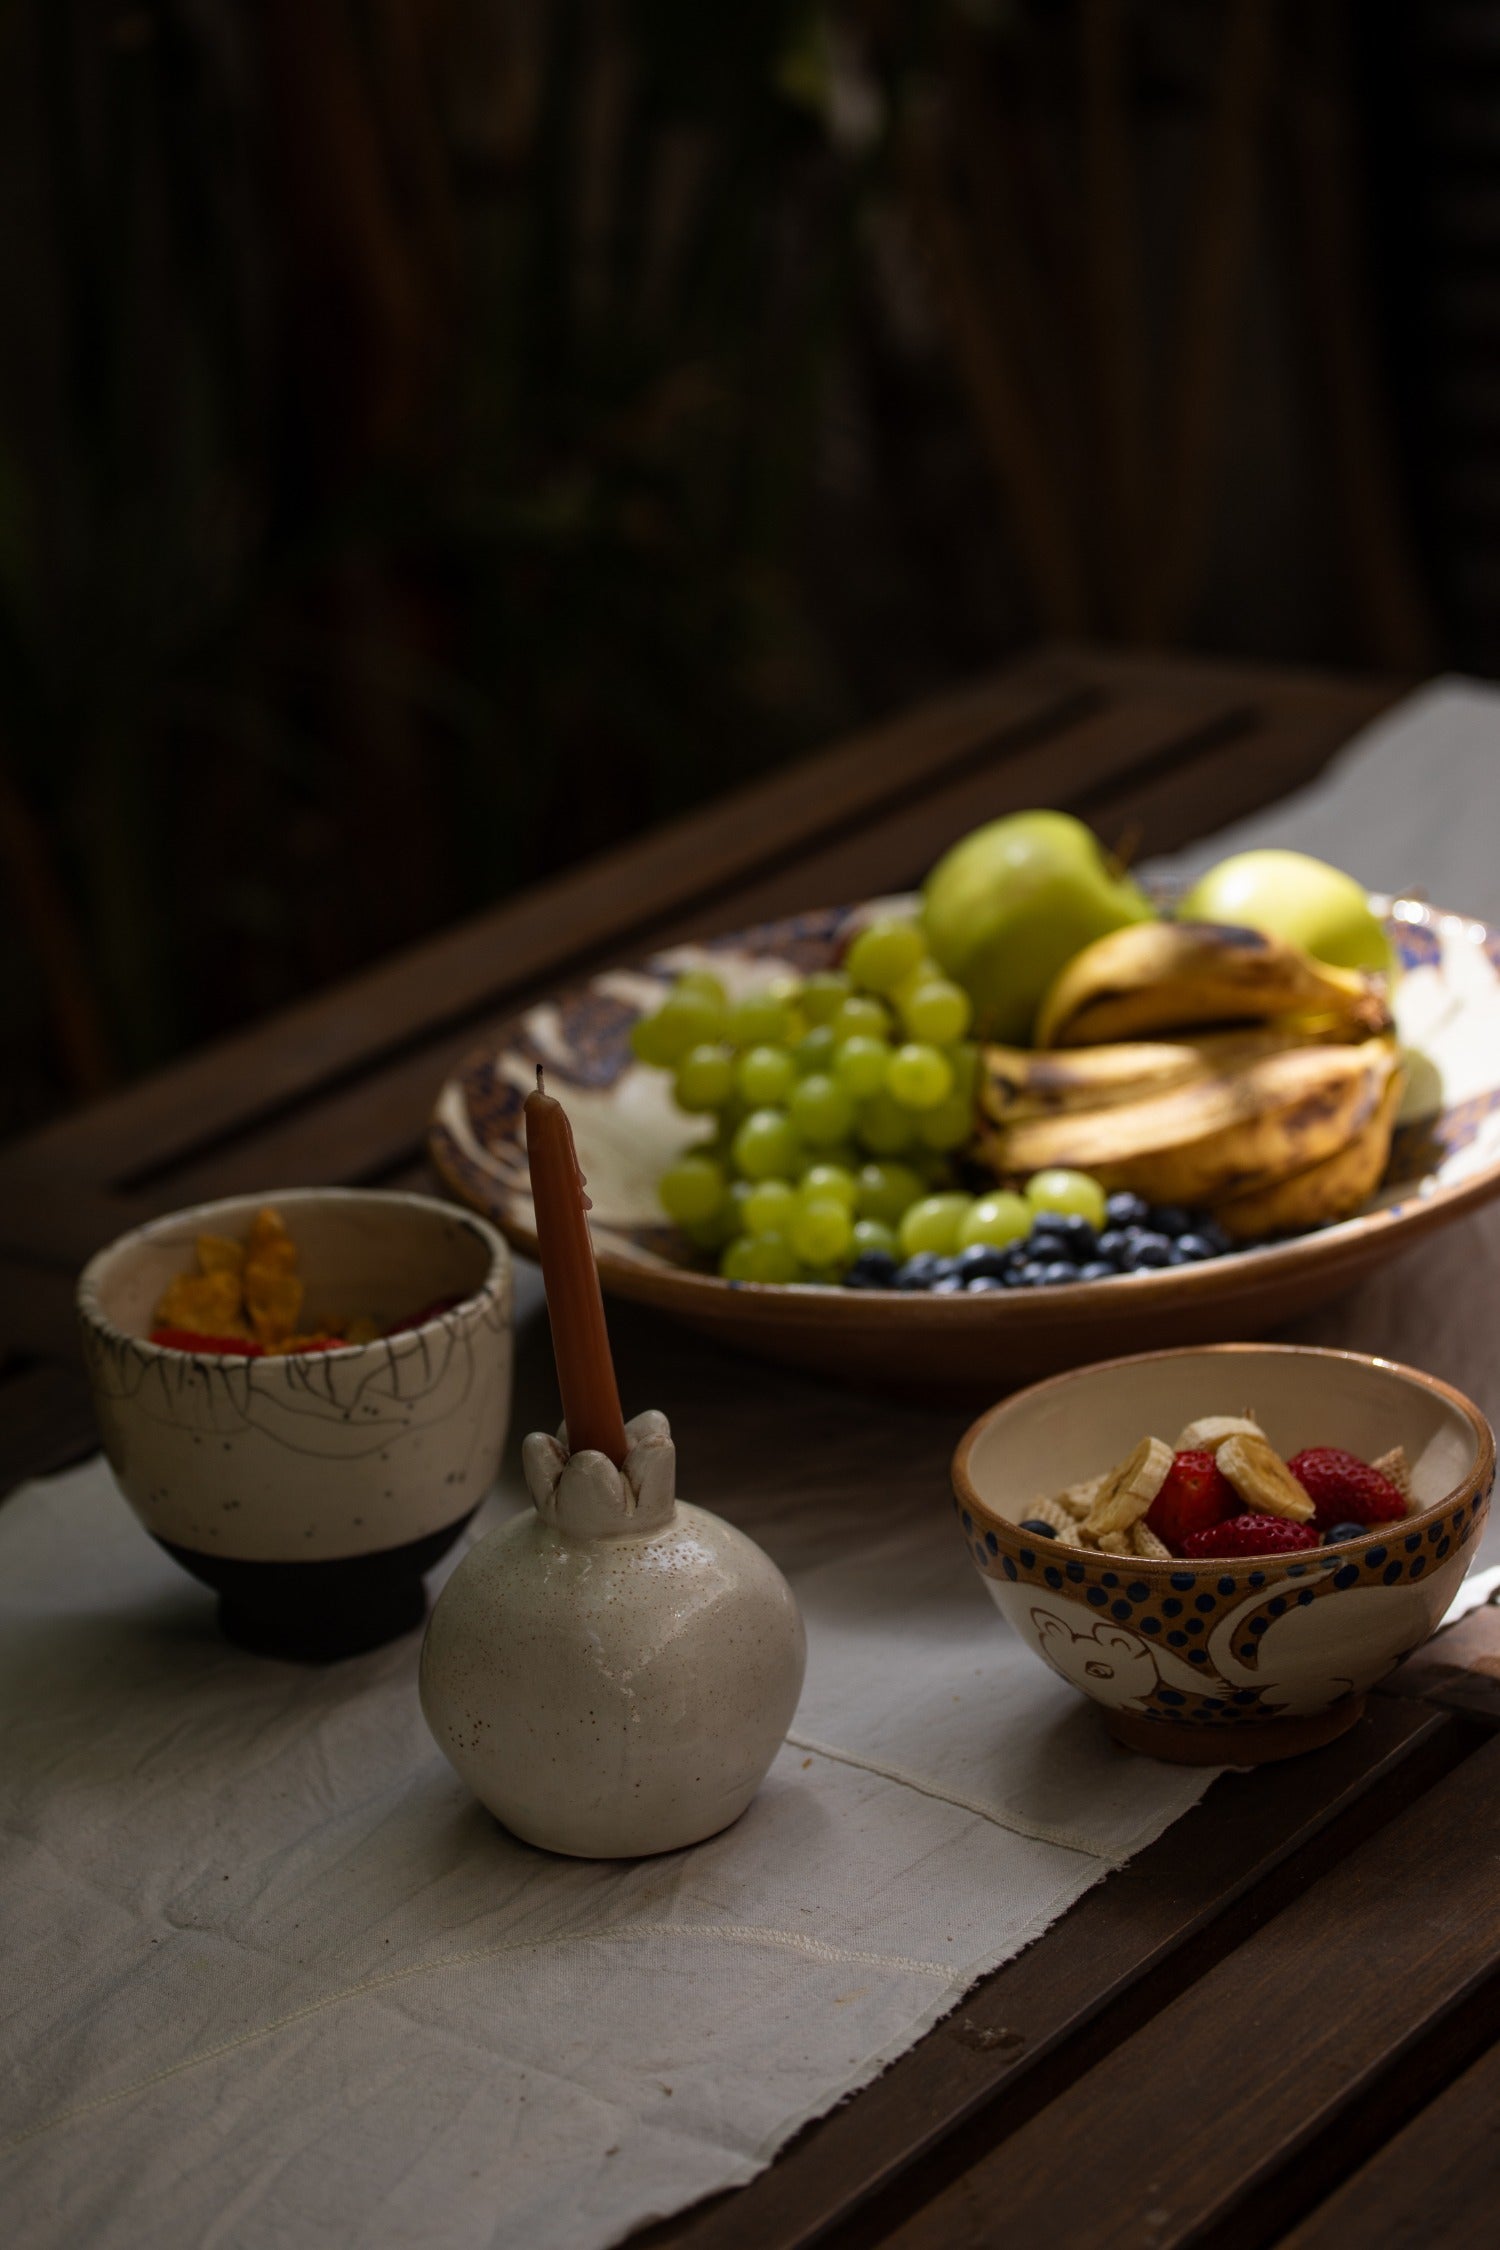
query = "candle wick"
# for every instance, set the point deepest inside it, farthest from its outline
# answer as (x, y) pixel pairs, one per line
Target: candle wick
(541, 1083)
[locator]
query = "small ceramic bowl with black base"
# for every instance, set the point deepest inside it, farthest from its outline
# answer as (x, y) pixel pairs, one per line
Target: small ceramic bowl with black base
(1227, 1662)
(311, 1491)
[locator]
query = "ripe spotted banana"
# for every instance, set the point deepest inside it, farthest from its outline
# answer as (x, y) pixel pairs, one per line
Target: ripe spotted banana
(1239, 1132)
(1020, 1082)
(1156, 977)
(1321, 1193)
(1263, 1480)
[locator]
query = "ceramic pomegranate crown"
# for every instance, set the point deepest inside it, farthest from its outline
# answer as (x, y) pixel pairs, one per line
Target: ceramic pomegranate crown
(613, 1671)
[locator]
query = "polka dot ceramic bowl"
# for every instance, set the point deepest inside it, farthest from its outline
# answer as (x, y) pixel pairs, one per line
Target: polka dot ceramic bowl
(1226, 1662)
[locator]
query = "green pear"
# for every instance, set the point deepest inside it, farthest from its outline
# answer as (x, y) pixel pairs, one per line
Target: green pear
(1007, 908)
(1293, 896)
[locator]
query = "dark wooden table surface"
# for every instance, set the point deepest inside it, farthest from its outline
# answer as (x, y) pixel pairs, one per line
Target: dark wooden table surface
(1281, 2023)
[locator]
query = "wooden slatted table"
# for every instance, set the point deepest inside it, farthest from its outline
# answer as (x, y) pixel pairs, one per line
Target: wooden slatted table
(1280, 2024)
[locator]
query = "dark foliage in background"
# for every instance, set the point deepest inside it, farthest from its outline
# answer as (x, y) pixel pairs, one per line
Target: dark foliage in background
(441, 436)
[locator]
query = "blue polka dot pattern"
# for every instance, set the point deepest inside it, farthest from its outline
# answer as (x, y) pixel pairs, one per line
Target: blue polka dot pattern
(1190, 1625)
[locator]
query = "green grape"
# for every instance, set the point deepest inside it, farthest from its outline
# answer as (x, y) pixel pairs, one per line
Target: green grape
(734, 1264)
(859, 1065)
(884, 1126)
(995, 1220)
(820, 1110)
(938, 1011)
(885, 1191)
(766, 1146)
(705, 1078)
(684, 1020)
(829, 1179)
(964, 1056)
(771, 1258)
(949, 1126)
(768, 1207)
(765, 1076)
(820, 1231)
(760, 1019)
(918, 1076)
(822, 1277)
(874, 1234)
(691, 1189)
(924, 972)
(822, 994)
(736, 1196)
(843, 1155)
(1073, 1192)
(815, 1050)
(885, 953)
(933, 1224)
(703, 982)
(862, 1018)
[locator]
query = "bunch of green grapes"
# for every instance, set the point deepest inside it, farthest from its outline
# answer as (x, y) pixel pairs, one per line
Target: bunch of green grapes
(838, 1100)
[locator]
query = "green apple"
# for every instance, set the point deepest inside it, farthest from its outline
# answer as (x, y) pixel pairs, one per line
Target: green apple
(1010, 905)
(1305, 900)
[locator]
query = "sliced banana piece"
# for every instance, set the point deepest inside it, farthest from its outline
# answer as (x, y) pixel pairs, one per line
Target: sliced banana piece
(1262, 1479)
(1208, 1433)
(1128, 1491)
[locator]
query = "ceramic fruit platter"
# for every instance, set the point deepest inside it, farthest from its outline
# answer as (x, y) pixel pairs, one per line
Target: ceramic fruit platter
(1444, 1160)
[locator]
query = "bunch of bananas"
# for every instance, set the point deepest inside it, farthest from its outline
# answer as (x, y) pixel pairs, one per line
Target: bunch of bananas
(1202, 1065)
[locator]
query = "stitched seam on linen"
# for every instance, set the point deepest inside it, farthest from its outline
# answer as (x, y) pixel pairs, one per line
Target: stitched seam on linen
(734, 1933)
(1067, 1839)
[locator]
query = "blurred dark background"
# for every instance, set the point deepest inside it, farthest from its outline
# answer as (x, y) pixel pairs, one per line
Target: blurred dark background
(441, 437)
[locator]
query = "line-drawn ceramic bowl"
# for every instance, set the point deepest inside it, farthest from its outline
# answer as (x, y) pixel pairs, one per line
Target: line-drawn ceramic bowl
(311, 1491)
(1446, 1161)
(1226, 1663)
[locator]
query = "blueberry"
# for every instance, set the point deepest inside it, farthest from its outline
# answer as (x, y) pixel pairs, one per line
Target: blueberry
(1096, 1270)
(1168, 1218)
(1114, 1243)
(1210, 1231)
(1193, 1247)
(1146, 1251)
(919, 1272)
(1125, 1210)
(984, 1285)
(1028, 1274)
(1177, 1256)
(981, 1260)
(948, 1285)
(1344, 1531)
(1039, 1530)
(1067, 1230)
(873, 1269)
(1057, 1271)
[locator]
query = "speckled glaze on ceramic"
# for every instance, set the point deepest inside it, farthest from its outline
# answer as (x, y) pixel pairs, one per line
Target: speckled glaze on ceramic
(1445, 1161)
(612, 1672)
(299, 1464)
(1240, 1661)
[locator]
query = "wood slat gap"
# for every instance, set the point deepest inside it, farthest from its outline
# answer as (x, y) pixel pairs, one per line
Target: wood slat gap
(1431, 2062)
(638, 935)
(718, 847)
(1249, 1849)
(1231, 2110)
